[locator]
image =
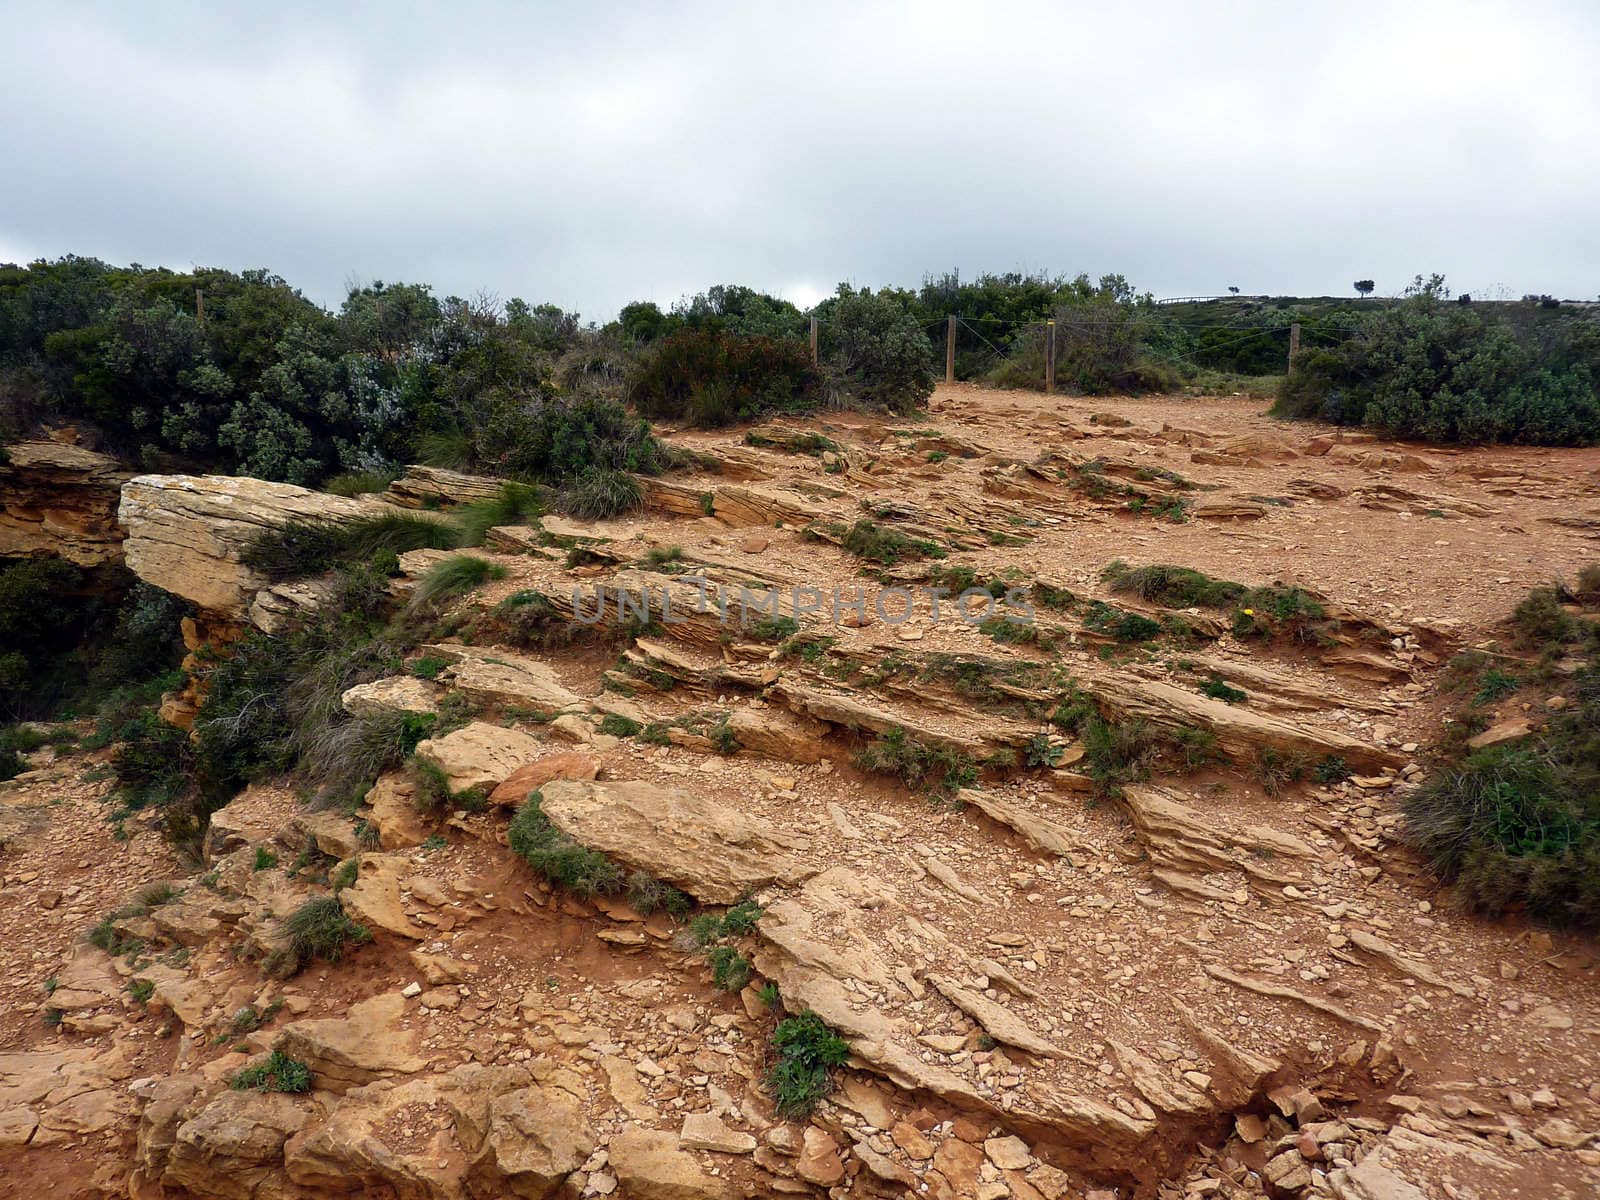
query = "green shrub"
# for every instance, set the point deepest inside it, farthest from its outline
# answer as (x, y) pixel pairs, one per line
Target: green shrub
(265, 859)
(709, 378)
(601, 493)
(1219, 689)
(879, 544)
(1173, 587)
(557, 857)
(619, 726)
(647, 894)
(300, 548)
(319, 928)
(1450, 373)
(1043, 752)
(428, 667)
(730, 970)
(279, 1073)
(1120, 625)
(917, 765)
(807, 1050)
(514, 504)
(1513, 826)
(876, 353)
(773, 629)
(453, 577)
(1332, 769)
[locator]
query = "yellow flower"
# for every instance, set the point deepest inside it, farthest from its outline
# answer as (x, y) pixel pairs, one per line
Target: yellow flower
(1249, 612)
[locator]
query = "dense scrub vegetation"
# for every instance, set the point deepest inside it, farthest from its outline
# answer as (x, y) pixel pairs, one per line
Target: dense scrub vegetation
(1516, 825)
(1451, 372)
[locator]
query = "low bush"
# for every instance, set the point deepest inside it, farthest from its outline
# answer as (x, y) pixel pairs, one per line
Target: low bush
(453, 577)
(514, 504)
(300, 548)
(1451, 373)
(1120, 625)
(558, 858)
(601, 493)
(708, 378)
(647, 895)
(319, 928)
(1172, 587)
(279, 1073)
(807, 1051)
(879, 544)
(917, 765)
(877, 355)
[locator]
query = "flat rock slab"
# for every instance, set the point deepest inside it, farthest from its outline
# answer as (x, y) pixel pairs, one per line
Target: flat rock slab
(716, 853)
(396, 694)
(480, 754)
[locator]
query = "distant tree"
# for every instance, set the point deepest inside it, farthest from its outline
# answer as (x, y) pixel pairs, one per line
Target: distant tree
(1233, 289)
(1364, 286)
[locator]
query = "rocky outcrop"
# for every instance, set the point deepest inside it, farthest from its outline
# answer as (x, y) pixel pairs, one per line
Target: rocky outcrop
(60, 499)
(716, 853)
(186, 534)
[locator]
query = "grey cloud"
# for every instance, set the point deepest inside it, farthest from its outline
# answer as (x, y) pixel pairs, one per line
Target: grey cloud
(592, 154)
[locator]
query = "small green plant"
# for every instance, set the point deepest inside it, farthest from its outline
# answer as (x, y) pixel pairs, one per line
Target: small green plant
(452, 577)
(1218, 689)
(708, 503)
(319, 928)
(265, 859)
(1331, 770)
(730, 970)
(768, 994)
(1043, 752)
(773, 629)
(141, 990)
(514, 504)
(939, 767)
(1276, 769)
(301, 548)
(1495, 684)
(557, 857)
(619, 726)
(279, 1073)
(428, 668)
(807, 1051)
(647, 895)
(1120, 625)
(1172, 587)
(343, 876)
(723, 737)
(887, 546)
(1015, 632)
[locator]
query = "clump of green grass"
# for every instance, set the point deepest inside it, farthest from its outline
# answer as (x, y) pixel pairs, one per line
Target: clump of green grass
(773, 629)
(265, 859)
(359, 483)
(300, 548)
(1172, 587)
(319, 928)
(1494, 684)
(428, 667)
(141, 990)
(937, 767)
(730, 970)
(1120, 625)
(601, 492)
(557, 857)
(1056, 598)
(647, 895)
(886, 546)
(619, 726)
(513, 504)
(279, 1073)
(666, 559)
(452, 577)
(807, 1051)
(1219, 689)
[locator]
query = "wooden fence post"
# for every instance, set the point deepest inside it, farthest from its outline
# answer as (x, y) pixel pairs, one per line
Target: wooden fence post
(1049, 356)
(1294, 343)
(950, 350)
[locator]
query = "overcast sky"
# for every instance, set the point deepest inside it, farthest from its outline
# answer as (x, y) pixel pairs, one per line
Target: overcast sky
(590, 154)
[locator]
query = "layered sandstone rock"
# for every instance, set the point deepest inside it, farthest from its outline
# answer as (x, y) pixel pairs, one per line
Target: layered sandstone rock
(59, 499)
